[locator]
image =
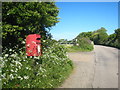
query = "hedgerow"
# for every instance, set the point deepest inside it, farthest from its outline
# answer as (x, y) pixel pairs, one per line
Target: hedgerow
(82, 44)
(46, 71)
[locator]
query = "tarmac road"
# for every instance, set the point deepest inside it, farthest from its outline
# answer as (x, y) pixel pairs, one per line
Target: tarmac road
(96, 69)
(106, 70)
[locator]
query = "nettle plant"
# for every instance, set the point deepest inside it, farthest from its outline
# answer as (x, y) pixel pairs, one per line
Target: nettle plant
(46, 71)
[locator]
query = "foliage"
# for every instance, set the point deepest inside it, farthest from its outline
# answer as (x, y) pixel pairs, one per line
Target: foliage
(114, 39)
(99, 36)
(23, 18)
(85, 34)
(63, 41)
(109, 40)
(19, 71)
(85, 44)
(46, 71)
(82, 44)
(117, 32)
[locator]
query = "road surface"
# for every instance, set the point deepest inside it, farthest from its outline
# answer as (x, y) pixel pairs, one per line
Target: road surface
(96, 69)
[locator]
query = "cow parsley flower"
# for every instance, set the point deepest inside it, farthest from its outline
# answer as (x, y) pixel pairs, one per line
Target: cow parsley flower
(26, 77)
(6, 55)
(37, 63)
(1, 58)
(27, 68)
(36, 57)
(13, 55)
(23, 42)
(10, 50)
(12, 70)
(11, 76)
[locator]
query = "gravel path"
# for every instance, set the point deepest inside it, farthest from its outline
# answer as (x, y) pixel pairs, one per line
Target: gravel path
(96, 69)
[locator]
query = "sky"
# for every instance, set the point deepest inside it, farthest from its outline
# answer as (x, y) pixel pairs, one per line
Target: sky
(77, 17)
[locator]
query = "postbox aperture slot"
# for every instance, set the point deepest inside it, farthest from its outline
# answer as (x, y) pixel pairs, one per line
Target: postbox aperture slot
(38, 39)
(38, 43)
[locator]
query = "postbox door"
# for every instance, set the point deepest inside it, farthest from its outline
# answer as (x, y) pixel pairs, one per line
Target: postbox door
(33, 46)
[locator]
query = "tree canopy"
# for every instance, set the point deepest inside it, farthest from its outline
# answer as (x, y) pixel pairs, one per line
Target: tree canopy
(20, 19)
(100, 36)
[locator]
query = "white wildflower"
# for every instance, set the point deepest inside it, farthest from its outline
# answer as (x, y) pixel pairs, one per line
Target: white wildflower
(12, 64)
(30, 56)
(23, 42)
(26, 77)
(37, 63)
(43, 40)
(3, 75)
(10, 50)
(44, 69)
(4, 82)
(11, 70)
(20, 77)
(27, 68)
(17, 62)
(6, 60)
(6, 55)
(11, 76)
(51, 85)
(1, 58)
(44, 75)
(16, 70)
(36, 57)
(19, 67)
(13, 55)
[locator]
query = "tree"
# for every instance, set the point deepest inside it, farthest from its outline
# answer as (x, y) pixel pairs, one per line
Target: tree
(23, 18)
(84, 34)
(117, 32)
(99, 36)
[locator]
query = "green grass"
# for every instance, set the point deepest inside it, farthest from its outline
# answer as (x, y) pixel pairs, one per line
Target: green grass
(80, 49)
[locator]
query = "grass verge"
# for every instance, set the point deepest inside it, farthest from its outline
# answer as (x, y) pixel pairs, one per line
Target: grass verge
(80, 49)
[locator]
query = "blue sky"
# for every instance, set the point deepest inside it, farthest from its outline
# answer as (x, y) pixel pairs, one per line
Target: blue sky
(77, 17)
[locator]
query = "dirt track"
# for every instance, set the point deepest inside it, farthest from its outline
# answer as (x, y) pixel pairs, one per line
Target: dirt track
(96, 69)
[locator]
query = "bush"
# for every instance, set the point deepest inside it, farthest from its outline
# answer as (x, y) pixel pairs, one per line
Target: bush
(46, 71)
(85, 44)
(82, 44)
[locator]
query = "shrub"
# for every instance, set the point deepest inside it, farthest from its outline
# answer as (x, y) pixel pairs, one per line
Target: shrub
(85, 44)
(82, 44)
(46, 71)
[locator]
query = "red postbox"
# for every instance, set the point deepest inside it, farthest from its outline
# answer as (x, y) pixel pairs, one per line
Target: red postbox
(33, 45)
